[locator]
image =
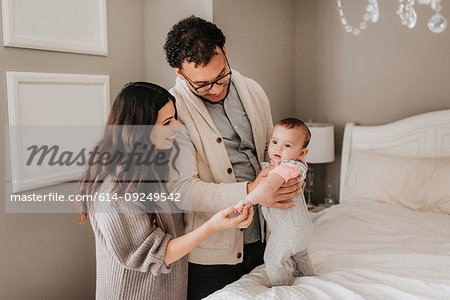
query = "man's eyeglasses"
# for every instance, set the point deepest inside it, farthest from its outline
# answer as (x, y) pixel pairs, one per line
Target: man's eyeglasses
(219, 81)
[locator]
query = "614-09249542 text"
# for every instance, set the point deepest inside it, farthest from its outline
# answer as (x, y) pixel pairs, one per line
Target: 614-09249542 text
(105, 197)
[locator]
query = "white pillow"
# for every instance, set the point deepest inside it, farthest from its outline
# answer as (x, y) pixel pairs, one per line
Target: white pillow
(421, 184)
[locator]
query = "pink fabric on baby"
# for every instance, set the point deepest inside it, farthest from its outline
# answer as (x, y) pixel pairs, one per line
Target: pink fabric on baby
(286, 170)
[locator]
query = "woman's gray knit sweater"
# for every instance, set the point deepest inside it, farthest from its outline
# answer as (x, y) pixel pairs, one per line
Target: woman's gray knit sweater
(130, 251)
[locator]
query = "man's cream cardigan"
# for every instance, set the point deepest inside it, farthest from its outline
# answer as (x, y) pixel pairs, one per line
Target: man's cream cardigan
(210, 178)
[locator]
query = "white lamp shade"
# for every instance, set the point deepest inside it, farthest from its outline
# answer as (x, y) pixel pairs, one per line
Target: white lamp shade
(321, 145)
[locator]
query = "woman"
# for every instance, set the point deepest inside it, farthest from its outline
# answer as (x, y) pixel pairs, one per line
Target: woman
(140, 246)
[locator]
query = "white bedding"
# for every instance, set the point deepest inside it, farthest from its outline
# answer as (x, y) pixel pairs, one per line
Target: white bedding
(365, 250)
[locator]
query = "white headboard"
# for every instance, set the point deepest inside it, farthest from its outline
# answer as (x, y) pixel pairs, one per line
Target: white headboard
(424, 135)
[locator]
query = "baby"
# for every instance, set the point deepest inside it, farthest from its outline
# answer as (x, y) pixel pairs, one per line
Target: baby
(286, 255)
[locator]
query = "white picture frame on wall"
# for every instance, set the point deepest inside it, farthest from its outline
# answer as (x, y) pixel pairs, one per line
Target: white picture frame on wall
(57, 25)
(48, 107)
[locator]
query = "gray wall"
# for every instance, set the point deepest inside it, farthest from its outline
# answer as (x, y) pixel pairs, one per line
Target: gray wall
(260, 44)
(50, 256)
(160, 16)
(387, 73)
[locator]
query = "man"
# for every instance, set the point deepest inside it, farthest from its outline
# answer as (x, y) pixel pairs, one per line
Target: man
(228, 126)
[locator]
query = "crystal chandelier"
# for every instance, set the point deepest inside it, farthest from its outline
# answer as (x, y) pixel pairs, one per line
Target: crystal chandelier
(406, 11)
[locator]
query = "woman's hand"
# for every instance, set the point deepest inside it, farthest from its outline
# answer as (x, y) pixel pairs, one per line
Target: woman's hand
(180, 246)
(222, 219)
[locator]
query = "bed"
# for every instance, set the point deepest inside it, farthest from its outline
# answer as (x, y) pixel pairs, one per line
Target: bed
(389, 238)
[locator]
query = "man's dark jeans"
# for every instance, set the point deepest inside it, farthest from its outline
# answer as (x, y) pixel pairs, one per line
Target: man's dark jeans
(204, 280)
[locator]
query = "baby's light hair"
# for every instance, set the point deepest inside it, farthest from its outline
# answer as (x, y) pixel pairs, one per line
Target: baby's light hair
(293, 123)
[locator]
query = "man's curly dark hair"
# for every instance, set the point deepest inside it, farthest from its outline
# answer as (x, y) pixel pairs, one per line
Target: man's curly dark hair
(192, 39)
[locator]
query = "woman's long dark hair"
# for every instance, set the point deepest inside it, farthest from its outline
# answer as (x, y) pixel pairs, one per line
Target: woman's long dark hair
(138, 103)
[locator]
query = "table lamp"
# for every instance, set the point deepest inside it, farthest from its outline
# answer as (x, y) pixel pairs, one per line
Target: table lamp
(320, 151)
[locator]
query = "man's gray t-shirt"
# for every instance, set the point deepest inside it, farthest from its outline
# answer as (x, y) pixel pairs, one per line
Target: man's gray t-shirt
(231, 120)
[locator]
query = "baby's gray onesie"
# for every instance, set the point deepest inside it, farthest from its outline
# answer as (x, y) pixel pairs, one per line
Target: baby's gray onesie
(286, 255)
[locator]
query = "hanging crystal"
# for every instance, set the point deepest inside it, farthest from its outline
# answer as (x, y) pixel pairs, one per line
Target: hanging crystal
(437, 23)
(435, 5)
(375, 12)
(372, 13)
(412, 18)
(406, 12)
(363, 25)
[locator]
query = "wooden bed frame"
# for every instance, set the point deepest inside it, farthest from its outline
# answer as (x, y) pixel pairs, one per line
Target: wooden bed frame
(424, 135)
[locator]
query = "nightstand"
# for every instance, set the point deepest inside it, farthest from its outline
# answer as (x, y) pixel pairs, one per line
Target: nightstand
(316, 208)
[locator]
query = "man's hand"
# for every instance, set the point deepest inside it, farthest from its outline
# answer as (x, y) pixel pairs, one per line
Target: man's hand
(287, 191)
(261, 177)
